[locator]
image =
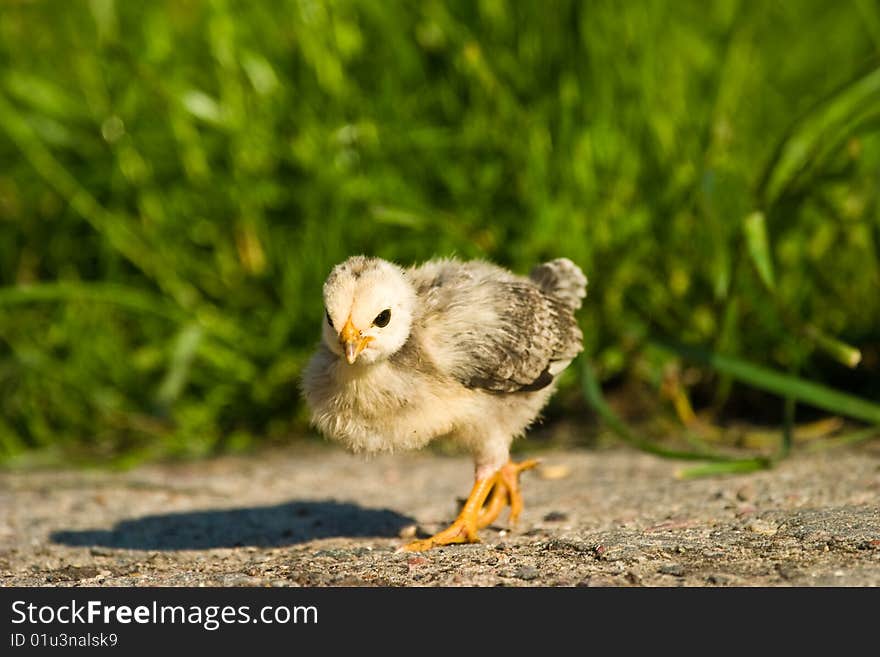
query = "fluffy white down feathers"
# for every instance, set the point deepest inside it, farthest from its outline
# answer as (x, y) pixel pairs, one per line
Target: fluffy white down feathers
(460, 349)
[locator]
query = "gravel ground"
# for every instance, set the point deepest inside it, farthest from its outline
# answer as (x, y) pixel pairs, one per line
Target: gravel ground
(316, 517)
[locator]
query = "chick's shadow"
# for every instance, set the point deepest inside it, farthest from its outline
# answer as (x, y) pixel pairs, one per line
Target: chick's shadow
(265, 526)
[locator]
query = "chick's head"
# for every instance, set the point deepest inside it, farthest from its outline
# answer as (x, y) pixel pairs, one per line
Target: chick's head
(369, 309)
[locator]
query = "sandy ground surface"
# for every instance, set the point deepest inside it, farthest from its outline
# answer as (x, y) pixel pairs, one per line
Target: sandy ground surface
(315, 517)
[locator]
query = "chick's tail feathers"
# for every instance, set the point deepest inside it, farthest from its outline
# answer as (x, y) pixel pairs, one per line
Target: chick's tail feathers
(562, 279)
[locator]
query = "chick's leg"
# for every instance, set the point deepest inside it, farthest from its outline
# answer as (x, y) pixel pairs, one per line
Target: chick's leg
(464, 529)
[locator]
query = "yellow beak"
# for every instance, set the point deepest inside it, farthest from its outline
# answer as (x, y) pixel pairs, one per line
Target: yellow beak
(352, 342)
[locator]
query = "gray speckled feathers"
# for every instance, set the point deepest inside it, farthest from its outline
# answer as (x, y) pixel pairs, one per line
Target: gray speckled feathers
(497, 331)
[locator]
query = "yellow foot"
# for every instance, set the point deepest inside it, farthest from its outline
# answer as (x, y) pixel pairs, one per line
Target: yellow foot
(508, 480)
(504, 489)
(457, 532)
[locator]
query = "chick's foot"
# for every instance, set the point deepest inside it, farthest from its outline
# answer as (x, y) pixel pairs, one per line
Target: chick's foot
(500, 489)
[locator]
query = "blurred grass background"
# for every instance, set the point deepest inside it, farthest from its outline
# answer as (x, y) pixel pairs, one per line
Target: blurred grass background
(179, 176)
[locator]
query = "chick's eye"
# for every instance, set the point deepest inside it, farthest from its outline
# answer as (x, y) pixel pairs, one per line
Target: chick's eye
(383, 318)
(329, 321)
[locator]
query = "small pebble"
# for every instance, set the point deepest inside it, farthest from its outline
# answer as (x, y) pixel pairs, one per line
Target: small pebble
(763, 527)
(674, 569)
(551, 472)
(555, 516)
(745, 493)
(100, 552)
(787, 572)
(409, 531)
(597, 581)
(527, 573)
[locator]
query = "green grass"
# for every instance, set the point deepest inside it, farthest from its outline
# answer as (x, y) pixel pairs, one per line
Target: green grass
(179, 177)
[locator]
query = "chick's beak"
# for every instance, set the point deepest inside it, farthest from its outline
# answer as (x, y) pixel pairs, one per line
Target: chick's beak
(352, 342)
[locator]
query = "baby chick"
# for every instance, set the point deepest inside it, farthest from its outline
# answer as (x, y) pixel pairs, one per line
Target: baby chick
(466, 350)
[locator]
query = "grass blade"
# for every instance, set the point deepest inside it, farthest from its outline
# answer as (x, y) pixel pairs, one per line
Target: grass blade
(840, 351)
(755, 229)
(788, 412)
(593, 395)
(185, 347)
(119, 295)
(211, 322)
(850, 438)
(830, 121)
(729, 467)
(775, 382)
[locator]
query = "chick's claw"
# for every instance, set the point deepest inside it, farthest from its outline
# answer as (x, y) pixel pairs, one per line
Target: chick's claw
(494, 506)
(509, 474)
(457, 532)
